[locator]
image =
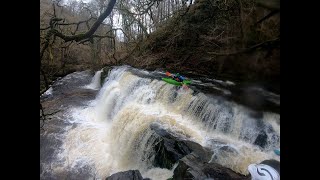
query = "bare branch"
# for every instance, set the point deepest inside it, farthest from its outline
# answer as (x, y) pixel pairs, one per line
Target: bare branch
(91, 31)
(75, 23)
(42, 29)
(145, 10)
(137, 20)
(100, 37)
(272, 13)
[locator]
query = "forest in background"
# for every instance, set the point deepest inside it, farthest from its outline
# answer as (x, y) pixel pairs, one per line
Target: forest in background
(234, 39)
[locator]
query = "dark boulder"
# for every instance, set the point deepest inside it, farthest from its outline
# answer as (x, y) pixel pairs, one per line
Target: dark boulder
(171, 147)
(126, 175)
(192, 158)
(191, 167)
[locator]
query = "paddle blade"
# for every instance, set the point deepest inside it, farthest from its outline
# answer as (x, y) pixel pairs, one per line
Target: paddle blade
(168, 74)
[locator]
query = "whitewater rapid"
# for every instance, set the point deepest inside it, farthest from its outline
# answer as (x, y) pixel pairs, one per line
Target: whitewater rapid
(112, 132)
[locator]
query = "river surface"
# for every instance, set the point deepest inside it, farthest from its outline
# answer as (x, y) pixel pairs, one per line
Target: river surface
(98, 128)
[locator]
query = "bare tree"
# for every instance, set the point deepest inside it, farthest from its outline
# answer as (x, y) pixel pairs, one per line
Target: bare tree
(54, 31)
(58, 28)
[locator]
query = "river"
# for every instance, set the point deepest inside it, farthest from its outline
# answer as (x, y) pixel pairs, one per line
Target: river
(100, 128)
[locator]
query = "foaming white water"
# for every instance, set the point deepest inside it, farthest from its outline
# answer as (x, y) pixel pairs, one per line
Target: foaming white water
(230, 83)
(48, 92)
(87, 143)
(113, 132)
(95, 83)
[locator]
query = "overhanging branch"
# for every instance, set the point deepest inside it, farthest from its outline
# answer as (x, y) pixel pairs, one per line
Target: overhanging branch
(91, 31)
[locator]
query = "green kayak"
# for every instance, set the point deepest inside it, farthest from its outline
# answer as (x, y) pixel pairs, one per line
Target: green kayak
(174, 82)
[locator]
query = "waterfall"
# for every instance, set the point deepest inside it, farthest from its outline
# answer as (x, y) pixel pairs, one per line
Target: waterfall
(95, 83)
(112, 133)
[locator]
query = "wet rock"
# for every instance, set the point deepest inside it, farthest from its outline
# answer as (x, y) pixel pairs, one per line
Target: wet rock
(228, 149)
(221, 147)
(192, 158)
(170, 148)
(192, 167)
(126, 175)
(104, 74)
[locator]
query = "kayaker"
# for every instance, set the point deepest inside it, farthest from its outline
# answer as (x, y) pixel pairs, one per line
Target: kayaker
(178, 77)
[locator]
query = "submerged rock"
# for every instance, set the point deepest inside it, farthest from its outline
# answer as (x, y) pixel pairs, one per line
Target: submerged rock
(126, 175)
(261, 140)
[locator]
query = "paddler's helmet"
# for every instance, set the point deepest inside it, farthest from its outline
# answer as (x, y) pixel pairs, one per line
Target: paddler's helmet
(178, 74)
(263, 172)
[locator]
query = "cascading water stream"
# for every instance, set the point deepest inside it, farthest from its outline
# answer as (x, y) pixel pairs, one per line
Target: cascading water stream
(112, 133)
(95, 83)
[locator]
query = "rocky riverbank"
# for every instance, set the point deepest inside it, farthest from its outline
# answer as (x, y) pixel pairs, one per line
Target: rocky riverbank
(191, 159)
